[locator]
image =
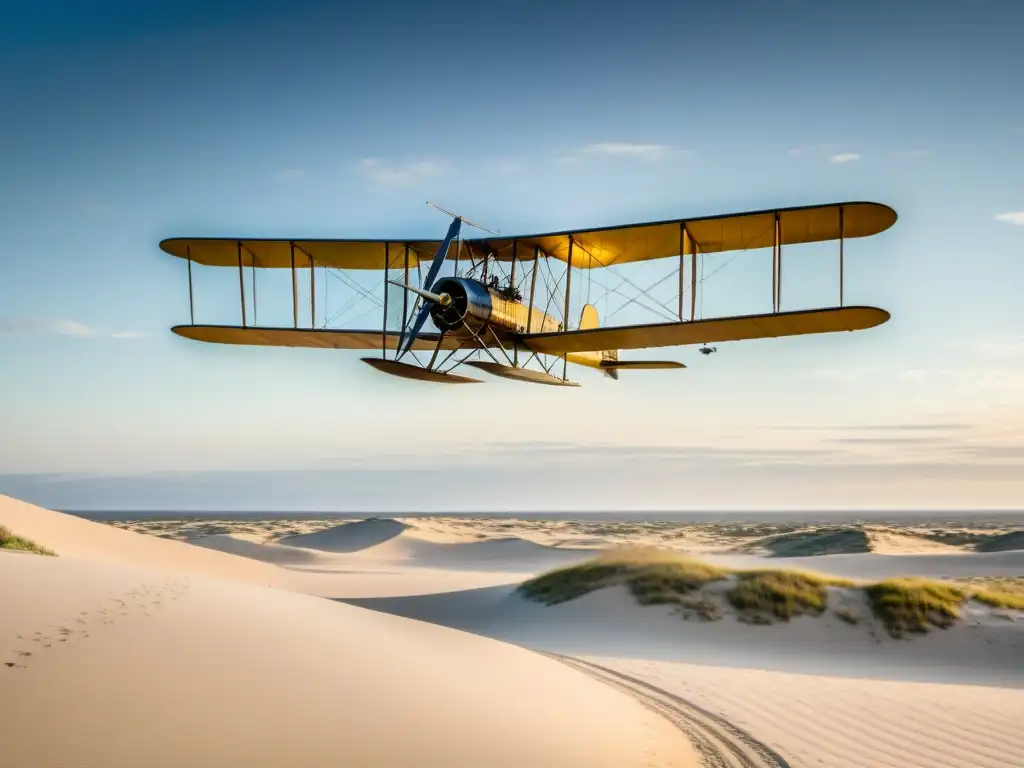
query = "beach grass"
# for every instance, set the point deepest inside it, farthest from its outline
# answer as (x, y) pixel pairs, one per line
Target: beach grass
(9, 541)
(781, 593)
(904, 606)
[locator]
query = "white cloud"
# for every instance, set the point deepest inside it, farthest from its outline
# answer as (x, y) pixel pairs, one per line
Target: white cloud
(806, 148)
(32, 326)
(57, 326)
(400, 175)
(1012, 217)
(290, 173)
(844, 157)
(624, 149)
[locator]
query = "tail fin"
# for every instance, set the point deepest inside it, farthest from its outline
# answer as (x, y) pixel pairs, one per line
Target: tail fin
(589, 319)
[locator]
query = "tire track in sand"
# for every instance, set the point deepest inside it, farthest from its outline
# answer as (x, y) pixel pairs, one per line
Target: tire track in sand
(719, 743)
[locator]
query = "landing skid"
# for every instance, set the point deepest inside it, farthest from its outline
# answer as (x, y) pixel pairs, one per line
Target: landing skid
(521, 374)
(407, 371)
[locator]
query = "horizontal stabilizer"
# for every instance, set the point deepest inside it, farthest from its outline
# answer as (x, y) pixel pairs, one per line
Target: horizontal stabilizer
(521, 374)
(639, 365)
(738, 328)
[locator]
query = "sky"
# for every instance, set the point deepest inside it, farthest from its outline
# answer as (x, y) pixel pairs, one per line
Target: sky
(126, 123)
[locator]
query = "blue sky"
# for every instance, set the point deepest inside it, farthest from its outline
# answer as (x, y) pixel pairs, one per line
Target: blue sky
(127, 123)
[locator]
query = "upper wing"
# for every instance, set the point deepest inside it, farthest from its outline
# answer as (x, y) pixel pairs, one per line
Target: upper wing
(709, 331)
(337, 254)
(607, 246)
(592, 248)
(309, 337)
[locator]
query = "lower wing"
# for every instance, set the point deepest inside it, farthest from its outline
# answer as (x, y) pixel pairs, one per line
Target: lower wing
(738, 328)
(311, 337)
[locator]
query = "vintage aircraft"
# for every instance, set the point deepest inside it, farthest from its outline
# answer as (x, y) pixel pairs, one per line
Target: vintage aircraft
(475, 314)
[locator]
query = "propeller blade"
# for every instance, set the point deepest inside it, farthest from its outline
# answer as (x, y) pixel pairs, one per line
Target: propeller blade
(442, 252)
(417, 326)
(428, 280)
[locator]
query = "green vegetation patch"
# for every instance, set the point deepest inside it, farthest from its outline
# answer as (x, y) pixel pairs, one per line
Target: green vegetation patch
(782, 594)
(656, 577)
(653, 577)
(915, 605)
(9, 541)
(999, 599)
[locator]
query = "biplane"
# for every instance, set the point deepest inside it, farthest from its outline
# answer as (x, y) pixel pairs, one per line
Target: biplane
(480, 294)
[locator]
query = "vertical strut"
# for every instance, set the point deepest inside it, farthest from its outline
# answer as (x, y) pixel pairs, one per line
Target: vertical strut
(533, 287)
(778, 245)
(568, 284)
(255, 310)
(241, 281)
(384, 323)
(682, 262)
(693, 280)
(312, 292)
(841, 238)
(565, 314)
(775, 263)
(191, 303)
(295, 286)
(405, 294)
(512, 285)
(512, 271)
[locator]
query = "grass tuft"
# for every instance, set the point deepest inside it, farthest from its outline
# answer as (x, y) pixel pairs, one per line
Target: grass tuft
(9, 541)
(999, 599)
(653, 577)
(915, 605)
(782, 594)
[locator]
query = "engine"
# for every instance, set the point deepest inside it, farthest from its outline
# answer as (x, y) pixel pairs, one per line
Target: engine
(470, 304)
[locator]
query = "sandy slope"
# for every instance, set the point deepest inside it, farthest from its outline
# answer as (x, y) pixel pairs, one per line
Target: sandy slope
(249, 673)
(813, 720)
(71, 536)
(115, 665)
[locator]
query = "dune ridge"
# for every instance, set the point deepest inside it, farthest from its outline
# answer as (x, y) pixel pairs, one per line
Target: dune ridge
(778, 539)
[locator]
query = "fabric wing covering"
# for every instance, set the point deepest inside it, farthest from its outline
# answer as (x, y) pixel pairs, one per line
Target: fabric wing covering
(591, 248)
(306, 337)
(709, 331)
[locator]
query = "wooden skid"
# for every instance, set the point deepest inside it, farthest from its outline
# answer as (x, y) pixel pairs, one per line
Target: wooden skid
(406, 371)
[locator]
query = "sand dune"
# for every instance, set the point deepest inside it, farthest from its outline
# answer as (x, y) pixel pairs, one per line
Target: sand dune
(254, 548)
(392, 541)
(1013, 540)
(111, 665)
(874, 566)
(349, 537)
(73, 537)
(609, 622)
